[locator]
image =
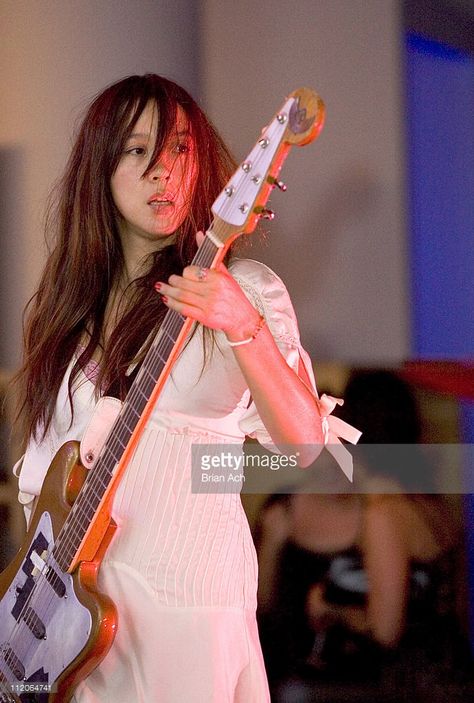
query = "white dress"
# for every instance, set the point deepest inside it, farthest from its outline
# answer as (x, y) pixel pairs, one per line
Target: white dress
(181, 568)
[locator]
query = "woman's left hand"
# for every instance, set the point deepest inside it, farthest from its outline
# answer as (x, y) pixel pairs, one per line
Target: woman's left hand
(212, 297)
(286, 405)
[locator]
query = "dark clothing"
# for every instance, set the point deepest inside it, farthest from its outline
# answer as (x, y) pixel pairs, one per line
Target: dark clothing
(291, 647)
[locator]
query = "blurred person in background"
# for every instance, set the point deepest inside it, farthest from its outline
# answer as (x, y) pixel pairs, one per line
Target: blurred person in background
(356, 587)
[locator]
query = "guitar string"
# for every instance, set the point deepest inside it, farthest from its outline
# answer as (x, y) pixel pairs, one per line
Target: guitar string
(175, 326)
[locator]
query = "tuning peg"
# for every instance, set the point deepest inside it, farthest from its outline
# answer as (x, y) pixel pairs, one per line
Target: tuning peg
(277, 184)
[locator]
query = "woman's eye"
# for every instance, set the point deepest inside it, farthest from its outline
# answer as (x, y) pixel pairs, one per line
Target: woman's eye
(136, 150)
(183, 148)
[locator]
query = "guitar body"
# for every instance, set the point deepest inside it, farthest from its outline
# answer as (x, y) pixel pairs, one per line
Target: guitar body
(55, 627)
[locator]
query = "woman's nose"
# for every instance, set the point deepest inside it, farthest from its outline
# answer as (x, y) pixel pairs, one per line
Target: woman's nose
(159, 174)
(161, 171)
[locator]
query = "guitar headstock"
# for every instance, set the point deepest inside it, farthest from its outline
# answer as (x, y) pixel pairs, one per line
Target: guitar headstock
(242, 202)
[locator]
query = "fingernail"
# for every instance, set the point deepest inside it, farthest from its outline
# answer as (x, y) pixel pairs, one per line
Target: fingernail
(157, 286)
(164, 298)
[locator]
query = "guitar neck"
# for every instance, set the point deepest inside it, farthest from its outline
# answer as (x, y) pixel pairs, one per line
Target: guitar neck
(153, 367)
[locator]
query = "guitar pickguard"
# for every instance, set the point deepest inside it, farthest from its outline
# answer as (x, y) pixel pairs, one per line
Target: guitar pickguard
(43, 625)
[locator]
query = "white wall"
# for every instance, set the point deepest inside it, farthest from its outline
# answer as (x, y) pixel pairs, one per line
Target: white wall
(54, 56)
(339, 237)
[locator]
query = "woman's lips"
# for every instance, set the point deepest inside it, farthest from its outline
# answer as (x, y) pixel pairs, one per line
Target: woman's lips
(158, 201)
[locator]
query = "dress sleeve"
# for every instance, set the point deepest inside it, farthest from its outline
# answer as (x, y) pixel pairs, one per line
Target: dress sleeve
(270, 297)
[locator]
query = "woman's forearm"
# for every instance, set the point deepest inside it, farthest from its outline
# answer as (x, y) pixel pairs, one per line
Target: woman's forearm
(287, 407)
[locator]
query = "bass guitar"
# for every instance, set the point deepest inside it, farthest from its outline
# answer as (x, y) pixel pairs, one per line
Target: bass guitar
(55, 625)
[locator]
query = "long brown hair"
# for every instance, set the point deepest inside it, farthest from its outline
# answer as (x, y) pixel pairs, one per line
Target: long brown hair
(86, 256)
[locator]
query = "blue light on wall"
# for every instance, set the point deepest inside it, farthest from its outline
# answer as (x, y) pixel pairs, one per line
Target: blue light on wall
(440, 133)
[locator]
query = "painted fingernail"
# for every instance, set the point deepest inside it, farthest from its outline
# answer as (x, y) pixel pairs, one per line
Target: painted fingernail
(164, 298)
(158, 286)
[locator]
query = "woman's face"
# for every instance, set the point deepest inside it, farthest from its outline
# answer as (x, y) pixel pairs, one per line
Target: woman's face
(154, 206)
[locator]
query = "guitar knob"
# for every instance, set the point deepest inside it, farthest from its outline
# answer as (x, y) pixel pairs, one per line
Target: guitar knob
(267, 215)
(277, 184)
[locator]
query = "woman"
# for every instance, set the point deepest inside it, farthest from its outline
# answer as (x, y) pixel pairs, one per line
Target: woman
(358, 587)
(143, 174)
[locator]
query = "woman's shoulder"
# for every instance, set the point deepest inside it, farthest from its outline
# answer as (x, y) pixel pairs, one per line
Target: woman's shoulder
(255, 273)
(414, 519)
(268, 294)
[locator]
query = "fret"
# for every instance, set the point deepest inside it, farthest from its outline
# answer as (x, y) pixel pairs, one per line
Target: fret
(95, 491)
(146, 386)
(159, 356)
(162, 358)
(140, 391)
(149, 373)
(127, 426)
(116, 451)
(84, 508)
(122, 433)
(91, 489)
(170, 336)
(103, 468)
(89, 511)
(120, 437)
(161, 352)
(128, 407)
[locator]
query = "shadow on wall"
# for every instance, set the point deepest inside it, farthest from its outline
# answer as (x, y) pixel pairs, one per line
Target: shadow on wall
(12, 227)
(329, 239)
(352, 198)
